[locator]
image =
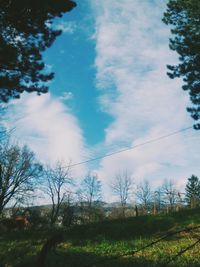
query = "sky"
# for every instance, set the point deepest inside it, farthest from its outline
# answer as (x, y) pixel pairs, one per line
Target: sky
(111, 92)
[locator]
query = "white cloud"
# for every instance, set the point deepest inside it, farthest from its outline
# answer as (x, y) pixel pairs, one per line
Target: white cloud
(49, 129)
(66, 96)
(131, 56)
(66, 27)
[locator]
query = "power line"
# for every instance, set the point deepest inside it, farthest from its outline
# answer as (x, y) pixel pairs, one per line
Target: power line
(131, 148)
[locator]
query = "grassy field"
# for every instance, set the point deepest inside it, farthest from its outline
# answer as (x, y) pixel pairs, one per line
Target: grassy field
(109, 243)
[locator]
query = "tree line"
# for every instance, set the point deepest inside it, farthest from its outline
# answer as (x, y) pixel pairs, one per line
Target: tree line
(23, 180)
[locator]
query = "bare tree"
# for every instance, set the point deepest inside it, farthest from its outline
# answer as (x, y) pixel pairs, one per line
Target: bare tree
(18, 173)
(144, 195)
(56, 186)
(158, 200)
(170, 194)
(121, 187)
(90, 193)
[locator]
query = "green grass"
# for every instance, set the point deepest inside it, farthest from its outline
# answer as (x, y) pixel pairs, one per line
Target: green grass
(105, 243)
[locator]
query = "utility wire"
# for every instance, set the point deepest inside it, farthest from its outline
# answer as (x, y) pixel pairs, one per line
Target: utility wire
(131, 148)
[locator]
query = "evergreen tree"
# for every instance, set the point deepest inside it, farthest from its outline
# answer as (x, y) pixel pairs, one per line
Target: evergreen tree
(26, 31)
(193, 191)
(184, 18)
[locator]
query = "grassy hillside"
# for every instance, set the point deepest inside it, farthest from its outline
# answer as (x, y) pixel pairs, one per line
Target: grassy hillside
(109, 243)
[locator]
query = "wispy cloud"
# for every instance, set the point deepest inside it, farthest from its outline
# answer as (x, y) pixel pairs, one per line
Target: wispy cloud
(49, 128)
(131, 56)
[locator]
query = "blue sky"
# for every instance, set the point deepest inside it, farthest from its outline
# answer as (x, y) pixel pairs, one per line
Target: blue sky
(111, 92)
(72, 59)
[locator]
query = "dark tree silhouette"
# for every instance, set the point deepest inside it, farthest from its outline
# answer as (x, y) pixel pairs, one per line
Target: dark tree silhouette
(26, 31)
(184, 18)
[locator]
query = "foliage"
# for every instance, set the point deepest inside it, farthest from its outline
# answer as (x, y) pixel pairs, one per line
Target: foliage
(18, 173)
(184, 18)
(26, 32)
(192, 190)
(37, 219)
(68, 214)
